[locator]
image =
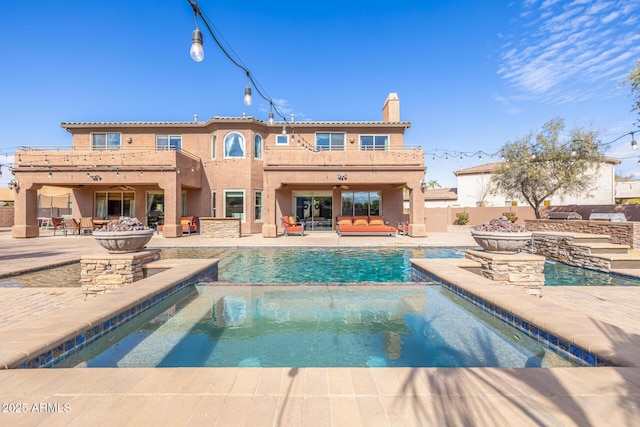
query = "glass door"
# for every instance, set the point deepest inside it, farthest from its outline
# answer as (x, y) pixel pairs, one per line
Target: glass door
(315, 208)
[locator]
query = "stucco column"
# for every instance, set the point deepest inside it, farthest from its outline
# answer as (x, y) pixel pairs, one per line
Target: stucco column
(172, 207)
(417, 226)
(26, 212)
(269, 227)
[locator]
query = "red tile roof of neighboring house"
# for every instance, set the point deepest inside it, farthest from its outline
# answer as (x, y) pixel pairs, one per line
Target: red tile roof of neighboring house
(485, 168)
(441, 194)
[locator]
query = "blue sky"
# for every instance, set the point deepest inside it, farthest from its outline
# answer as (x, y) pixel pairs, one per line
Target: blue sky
(470, 75)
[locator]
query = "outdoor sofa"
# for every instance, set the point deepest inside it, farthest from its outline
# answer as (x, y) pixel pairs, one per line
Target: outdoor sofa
(364, 226)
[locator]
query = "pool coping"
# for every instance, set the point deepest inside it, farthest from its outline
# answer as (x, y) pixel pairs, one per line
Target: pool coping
(40, 342)
(569, 332)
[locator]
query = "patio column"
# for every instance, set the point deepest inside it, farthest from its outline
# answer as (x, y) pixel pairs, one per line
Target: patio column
(269, 227)
(417, 226)
(172, 207)
(25, 222)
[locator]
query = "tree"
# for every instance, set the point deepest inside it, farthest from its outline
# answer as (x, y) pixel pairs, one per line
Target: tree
(433, 184)
(539, 166)
(633, 80)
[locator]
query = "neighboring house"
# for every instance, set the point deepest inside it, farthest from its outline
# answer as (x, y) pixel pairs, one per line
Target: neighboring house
(476, 189)
(627, 191)
(441, 197)
(230, 167)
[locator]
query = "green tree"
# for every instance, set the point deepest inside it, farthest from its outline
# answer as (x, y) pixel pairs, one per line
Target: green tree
(633, 80)
(538, 166)
(433, 184)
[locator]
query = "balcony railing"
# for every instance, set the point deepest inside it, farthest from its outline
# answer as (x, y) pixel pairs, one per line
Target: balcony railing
(298, 156)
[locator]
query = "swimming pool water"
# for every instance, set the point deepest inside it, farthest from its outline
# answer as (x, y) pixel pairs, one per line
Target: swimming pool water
(318, 265)
(317, 326)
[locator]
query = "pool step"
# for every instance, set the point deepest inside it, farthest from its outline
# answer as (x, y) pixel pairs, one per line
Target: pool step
(620, 261)
(599, 248)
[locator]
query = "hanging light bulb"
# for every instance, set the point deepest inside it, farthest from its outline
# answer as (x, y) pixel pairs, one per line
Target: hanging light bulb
(638, 162)
(634, 144)
(247, 96)
(197, 51)
(284, 129)
(271, 117)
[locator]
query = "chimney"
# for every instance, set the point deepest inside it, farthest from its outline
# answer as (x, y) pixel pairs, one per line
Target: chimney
(391, 108)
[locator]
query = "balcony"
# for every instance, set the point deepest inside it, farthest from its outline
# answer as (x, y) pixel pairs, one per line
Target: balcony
(67, 164)
(298, 157)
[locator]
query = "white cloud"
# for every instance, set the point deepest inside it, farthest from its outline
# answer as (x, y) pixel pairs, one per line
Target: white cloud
(561, 50)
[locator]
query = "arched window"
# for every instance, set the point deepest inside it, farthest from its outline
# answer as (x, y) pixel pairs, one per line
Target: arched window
(213, 146)
(257, 147)
(234, 145)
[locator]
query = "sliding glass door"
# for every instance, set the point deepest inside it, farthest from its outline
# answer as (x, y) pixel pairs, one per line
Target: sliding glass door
(315, 208)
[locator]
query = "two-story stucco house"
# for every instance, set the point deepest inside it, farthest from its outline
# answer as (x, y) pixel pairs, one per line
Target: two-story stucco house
(475, 188)
(230, 167)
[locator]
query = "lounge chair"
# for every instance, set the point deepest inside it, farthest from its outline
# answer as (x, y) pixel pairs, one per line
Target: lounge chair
(86, 225)
(290, 226)
(72, 226)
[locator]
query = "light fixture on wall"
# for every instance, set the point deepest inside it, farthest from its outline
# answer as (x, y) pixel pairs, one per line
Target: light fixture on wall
(342, 176)
(423, 185)
(14, 185)
(129, 140)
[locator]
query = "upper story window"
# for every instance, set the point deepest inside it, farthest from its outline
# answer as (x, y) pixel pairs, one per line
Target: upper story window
(330, 141)
(282, 139)
(213, 146)
(257, 147)
(168, 142)
(105, 141)
(234, 145)
(374, 142)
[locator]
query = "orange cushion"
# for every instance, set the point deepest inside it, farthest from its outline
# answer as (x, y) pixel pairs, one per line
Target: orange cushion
(345, 222)
(376, 222)
(292, 220)
(360, 222)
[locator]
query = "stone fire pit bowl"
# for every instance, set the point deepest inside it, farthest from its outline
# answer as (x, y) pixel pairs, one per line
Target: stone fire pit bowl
(500, 241)
(120, 242)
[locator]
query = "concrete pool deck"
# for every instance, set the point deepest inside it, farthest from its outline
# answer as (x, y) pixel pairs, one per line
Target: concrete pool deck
(313, 396)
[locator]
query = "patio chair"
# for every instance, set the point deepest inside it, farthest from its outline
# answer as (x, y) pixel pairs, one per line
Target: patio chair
(86, 225)
(71, 226)
(403, 227)
(291, 227)
(58, 224)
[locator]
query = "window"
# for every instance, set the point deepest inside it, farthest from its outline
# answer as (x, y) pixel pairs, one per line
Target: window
(105, 141)
(234, 145)
(114, 204)
(374, 142)
(168, 142)
(361, 203)
(282, 139)
(258, 206)
(213, 204)
(257, 147)
(213, 146)
(234, 204)
(330, 141)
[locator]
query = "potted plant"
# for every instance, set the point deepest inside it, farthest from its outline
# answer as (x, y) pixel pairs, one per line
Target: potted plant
(123, 235)
(501, 236)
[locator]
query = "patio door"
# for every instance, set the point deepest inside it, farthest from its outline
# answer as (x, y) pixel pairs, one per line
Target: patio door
(314, 207)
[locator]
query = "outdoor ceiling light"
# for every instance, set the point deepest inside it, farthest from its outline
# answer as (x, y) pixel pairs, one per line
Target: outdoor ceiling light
(197, 51)
(247, 95)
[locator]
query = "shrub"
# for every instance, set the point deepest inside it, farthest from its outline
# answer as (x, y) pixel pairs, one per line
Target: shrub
(462, 218)
(511, 216)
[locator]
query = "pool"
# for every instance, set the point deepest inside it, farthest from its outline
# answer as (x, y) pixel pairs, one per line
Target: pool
(394, 325)
(319, 265)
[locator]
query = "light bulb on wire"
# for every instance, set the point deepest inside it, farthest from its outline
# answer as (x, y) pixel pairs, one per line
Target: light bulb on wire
(247, 96)
(197, 51)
